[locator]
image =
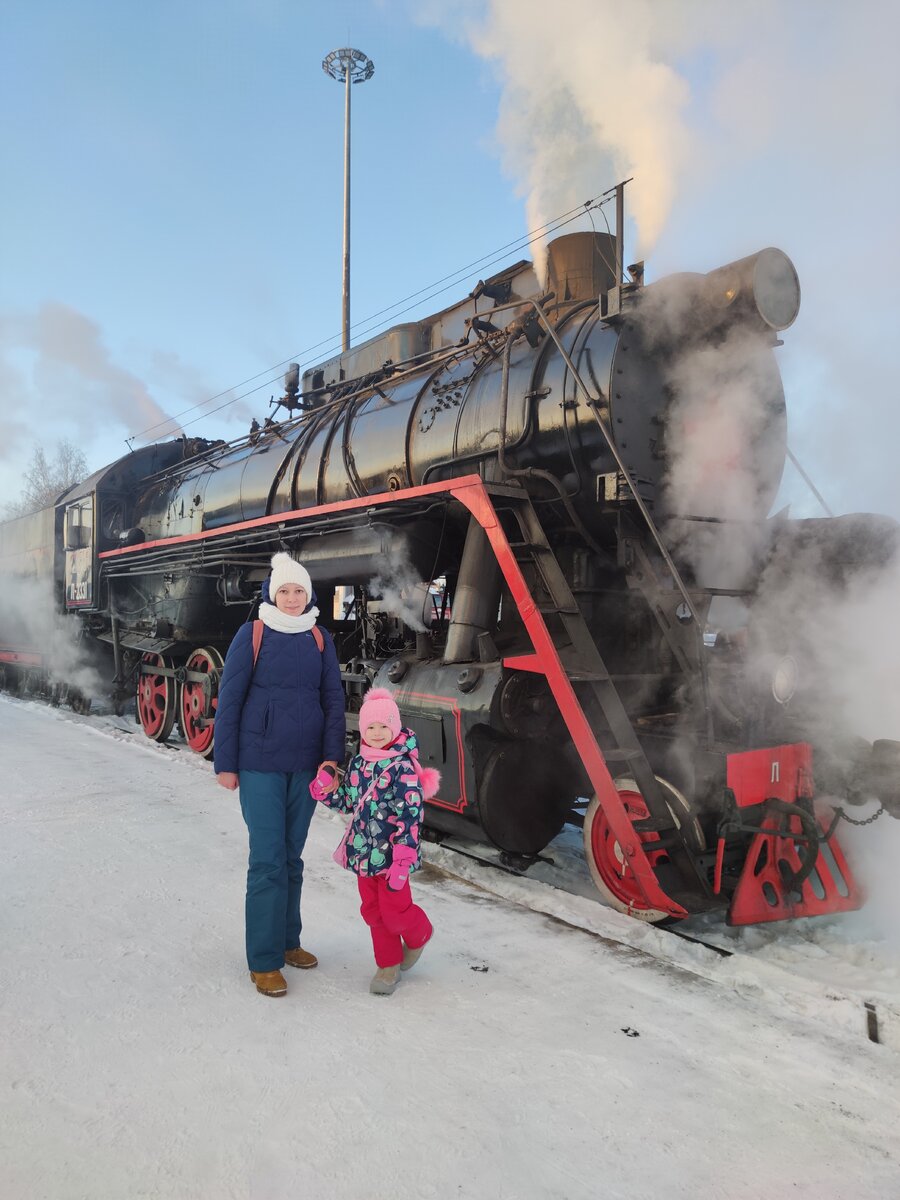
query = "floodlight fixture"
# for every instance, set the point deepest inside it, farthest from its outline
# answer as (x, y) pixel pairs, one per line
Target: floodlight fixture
(347, 66)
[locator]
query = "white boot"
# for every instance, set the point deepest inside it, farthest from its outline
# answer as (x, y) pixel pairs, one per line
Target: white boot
(385, 981)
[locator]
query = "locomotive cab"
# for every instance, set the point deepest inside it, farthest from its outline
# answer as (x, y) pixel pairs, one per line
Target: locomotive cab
(79, 552)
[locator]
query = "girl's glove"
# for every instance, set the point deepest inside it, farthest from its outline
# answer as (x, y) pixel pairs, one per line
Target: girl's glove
(398, 871)
(323, 784)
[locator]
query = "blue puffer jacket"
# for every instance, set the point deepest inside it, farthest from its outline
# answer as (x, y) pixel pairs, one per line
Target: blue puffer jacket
(288, 713)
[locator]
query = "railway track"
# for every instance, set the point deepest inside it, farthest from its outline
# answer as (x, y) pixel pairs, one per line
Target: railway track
(557, 888)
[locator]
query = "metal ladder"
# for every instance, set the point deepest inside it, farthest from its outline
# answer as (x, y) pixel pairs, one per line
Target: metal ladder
(585, 668)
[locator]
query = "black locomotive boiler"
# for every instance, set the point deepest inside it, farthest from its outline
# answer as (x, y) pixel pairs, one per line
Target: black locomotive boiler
(587, 468)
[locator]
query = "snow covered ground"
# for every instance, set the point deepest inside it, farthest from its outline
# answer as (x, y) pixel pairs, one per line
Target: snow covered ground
(543, 1047)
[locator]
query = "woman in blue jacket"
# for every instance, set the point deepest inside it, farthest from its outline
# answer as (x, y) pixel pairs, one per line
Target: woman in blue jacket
(280, 718)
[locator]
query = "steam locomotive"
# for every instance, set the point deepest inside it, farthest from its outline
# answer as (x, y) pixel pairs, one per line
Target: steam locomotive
(585, 464)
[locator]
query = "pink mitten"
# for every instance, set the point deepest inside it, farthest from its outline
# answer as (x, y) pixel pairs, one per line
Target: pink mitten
(398, 872)
(321, 786)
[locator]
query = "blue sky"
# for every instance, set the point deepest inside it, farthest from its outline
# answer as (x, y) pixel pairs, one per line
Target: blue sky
(176, 179)
(171, 217)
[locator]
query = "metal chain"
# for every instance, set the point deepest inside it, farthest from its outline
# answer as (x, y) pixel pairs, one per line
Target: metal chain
(864, 821)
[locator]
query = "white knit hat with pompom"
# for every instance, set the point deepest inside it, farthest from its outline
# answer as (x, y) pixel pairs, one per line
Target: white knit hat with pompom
(287, 570)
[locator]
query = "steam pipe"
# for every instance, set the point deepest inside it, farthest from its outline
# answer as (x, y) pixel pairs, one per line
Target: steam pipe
(476, 597)
(118, 678)
(535, 472)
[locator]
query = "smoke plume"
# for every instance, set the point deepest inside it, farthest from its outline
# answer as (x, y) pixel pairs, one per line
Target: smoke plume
(673, 94)
(741, 125)
(31, 622)
(54, 363)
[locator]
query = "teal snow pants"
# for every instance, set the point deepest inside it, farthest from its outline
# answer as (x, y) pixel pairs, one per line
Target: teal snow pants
(277, 809)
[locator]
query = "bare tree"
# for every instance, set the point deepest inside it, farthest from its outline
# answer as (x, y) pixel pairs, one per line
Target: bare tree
(46, 478)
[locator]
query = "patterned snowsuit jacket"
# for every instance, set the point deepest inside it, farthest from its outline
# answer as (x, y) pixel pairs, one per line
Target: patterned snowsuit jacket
(384, 799)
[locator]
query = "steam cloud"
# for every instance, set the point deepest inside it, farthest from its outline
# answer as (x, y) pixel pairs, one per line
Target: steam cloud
(743, 125)
(850, 656)
(31, 621)
(54, 362)
(400, 589)
(824, 592)
(835, 608)
(597, 91)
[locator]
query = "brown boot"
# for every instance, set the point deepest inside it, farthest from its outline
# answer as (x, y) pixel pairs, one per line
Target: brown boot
(300, 958)
(269, 983)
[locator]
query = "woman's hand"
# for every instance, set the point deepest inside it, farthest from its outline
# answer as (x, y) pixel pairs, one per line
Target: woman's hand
(227, 779)
(331, 767)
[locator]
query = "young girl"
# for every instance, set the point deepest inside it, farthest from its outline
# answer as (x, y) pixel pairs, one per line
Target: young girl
(383, 789)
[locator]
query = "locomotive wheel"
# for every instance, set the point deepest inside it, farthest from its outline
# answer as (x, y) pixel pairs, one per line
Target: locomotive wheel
(608, 866)
(192, 702)
(79, 703)
(156, 700)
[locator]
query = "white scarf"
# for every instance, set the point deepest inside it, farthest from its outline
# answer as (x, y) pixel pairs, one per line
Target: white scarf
(283, 622)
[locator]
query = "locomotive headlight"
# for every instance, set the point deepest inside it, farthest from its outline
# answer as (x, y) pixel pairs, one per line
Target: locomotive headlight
(776, 288)
(764, 285)
(785, 678)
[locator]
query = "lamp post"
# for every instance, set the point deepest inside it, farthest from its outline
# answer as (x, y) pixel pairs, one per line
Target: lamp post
(347, 66)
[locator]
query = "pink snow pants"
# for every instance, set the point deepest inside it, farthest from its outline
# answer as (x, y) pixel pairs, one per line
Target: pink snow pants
(391, 916)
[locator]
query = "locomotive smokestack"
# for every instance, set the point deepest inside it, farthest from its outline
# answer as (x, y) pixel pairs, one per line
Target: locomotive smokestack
(581, 266)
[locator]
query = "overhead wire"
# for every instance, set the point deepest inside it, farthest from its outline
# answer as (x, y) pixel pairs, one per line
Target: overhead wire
(369, 324)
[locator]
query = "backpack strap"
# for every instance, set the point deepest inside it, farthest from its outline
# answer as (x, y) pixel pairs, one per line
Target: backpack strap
(259, 629)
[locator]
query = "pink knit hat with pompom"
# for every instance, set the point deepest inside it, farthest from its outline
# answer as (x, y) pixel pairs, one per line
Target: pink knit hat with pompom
(379, 707)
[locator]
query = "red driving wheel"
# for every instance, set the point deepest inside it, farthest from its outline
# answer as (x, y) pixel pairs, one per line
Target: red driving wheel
(156, 699)
(198, 700)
